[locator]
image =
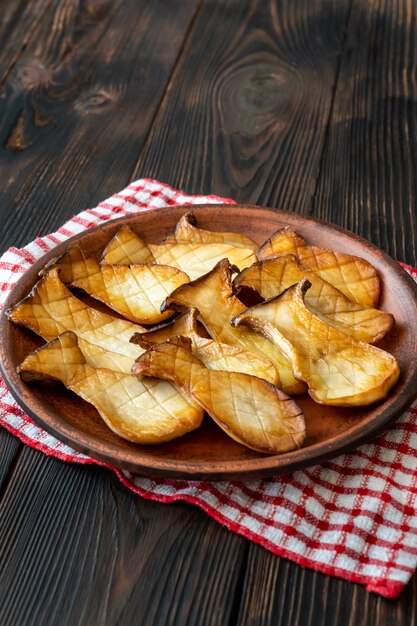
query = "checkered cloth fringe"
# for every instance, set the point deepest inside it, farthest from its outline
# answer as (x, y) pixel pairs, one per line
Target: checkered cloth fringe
(352, 517)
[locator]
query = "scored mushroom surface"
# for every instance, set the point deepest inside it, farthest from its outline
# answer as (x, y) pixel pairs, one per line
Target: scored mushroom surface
(196, 259)
(249, 409)
(213, 354)
(186, 230)
(126, 248)
(194, 256)
(134, 291)
(353, 276)
(273, 276)
(281, 242)
(148, 411)
(51, 309)
(337, 369)
(213, 296)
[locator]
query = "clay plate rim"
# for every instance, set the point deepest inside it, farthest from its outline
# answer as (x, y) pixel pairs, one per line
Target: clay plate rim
(140, 462)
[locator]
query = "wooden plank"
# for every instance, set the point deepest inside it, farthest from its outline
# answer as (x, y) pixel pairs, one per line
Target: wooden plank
(367, 181)
(76, 109)
(85, 550)
(9, 448)
(19, 20)
(278, 592)
(246, 116)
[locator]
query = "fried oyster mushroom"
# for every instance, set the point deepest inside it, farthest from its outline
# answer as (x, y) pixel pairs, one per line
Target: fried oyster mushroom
(248, 409)
(193, 256)
(148, 411)
(213, 354)
(51, 309)
(196, 259)
(338, 370)
(126, 248)
(356, 278)
(134, 291)
(273, 276)
(213, 296)
(186, 231)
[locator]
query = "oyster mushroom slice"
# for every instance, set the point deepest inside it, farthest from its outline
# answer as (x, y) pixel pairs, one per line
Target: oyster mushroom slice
(134, 291)
(272, 276)
(337, 369)
(213, 354)
(148, 411)
(212, 295)
(127, 248)
(248, 409)
(195, 256)
(51, 309)
(197, 259)
(184, 324)
(353, 276)
(283, 241)
(186, 231)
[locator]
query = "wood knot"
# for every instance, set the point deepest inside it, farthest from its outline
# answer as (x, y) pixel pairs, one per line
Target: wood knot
(30, 74)
(259, 92)
(94, 101)
(17, 139)
(255, 96)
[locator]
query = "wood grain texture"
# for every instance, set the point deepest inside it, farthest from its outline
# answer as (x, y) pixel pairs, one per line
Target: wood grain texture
(78, 104)
(9, 448)
(256, 100)
(101, 555)
(18, 22)
(366, 184)
(367, 181)
(277, 593)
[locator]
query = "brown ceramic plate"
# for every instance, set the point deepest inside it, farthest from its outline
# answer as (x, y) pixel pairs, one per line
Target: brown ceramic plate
(208, 453)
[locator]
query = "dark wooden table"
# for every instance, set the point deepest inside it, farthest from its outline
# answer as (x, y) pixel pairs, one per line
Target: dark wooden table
(307, 105)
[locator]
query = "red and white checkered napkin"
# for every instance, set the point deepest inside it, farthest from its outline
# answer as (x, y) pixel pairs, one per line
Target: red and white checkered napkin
(353, 517)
